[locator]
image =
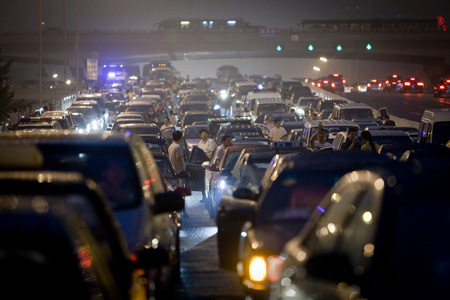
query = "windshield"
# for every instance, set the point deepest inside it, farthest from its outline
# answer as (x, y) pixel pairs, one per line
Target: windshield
(271, 108)
(356, 113)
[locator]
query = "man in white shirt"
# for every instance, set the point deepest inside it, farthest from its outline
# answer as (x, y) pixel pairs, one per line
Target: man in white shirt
(237, 110)
(207, 144)
(277, 132)
(226, 142)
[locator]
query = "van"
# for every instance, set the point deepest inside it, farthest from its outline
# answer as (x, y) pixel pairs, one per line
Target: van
(351, 111)
(268, 105)
(250, 99)
(435, 126)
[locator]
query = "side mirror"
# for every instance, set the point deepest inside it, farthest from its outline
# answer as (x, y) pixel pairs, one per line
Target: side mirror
(245, 193)
(168, 202)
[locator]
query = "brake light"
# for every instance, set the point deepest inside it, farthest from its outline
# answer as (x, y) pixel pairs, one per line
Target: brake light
(333, 85)
(442, 87)
(393, 82)
(274, 267)
(343, 81)
(319, 84)
(379, 84)
(412, 79)
(336, 75)
(325, 81)
(394, 76)
(420, 83)
(368, 85)
(313, 83)
(407, 83)
(258, 268)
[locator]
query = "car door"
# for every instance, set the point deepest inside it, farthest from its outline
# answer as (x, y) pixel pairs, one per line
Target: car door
(196, 181)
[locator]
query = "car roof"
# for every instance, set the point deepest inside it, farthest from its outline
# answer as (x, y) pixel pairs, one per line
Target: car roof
(331, 123)
(352, 105)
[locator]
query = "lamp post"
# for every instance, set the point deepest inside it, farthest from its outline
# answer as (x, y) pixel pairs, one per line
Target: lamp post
(40, 52)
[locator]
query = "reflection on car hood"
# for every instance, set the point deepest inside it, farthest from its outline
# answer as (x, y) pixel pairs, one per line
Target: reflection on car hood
(274, 236)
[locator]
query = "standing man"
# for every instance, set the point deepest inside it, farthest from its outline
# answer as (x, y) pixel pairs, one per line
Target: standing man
(176, 155)
(207, 144)
(277, 132)
(269, 123)
(14, 119)
(237, 110)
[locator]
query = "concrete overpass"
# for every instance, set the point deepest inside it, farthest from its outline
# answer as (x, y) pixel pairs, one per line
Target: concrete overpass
(430, 49)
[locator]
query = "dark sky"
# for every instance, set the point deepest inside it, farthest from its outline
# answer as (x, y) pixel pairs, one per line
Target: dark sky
(22, 15)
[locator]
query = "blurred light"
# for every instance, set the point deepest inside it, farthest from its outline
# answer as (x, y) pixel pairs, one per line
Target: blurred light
(279, 48)
(68, 82)
(111, 74)
(257, 268)
(335, 197)
(324, 59)
(231, 23)
(316, 68)
(339, 48)
(310, 47)
(368, 250)
(367, 217)
(331, 227)
(185, 23)
(320, 208)
(301, 255)
(55, 75)
(369, 47)
(274, 268)
(379, 184)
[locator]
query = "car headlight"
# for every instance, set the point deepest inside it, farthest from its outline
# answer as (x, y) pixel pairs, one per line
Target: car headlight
(94, 124)
(222, 184)
(257, 268)
(216, 107)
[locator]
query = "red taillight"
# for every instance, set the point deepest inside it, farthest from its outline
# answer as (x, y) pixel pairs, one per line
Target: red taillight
(319, 84)
(313, 83)
(407, 83)
(368, 85)
(394, 76)
(412, 79)
(442, 87)
(325, 81)
(333, 85)
(343, 81)
(379, 84)
(420, 83)
(394, 83)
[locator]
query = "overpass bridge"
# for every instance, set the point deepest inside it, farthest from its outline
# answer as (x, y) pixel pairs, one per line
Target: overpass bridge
(430, 49)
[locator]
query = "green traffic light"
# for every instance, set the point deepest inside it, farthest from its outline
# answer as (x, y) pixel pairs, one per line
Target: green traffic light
(339, 48)
(279, 48)
(369, 47)
(310, 48)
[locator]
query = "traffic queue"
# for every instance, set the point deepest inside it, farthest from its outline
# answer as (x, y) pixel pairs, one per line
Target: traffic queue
(312, 198)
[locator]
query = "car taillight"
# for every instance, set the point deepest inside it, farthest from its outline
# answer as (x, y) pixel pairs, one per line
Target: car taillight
(420, 83)
(319, 84)
(368, 85)
(343, 81)
(407, 83)
(442, 87)
(379, 84)
(333, 85)
(325, 81)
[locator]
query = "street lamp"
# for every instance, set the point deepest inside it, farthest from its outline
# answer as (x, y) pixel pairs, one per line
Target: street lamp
(316, 69)
(324, 59)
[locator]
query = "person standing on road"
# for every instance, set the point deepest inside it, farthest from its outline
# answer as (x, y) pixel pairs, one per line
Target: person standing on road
(206, 144)
(14, 119)
(176, 154)
(277, 132)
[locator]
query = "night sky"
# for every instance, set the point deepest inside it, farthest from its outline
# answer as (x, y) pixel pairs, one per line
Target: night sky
(22, 15)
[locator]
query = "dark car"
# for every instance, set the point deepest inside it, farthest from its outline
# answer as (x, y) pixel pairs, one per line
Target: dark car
(442, 88)
(238, 132)
(392, 83)
(283, 208)
(214, 124)
(246, 175)
(62, 232)
(374, 85)
(412, 84)
(195, 116)
(126, 171)
(375, 235)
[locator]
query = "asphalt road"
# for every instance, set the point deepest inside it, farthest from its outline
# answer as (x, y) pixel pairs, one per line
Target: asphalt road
(201, 277)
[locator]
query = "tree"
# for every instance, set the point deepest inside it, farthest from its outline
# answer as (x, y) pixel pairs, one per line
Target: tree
(6, 95)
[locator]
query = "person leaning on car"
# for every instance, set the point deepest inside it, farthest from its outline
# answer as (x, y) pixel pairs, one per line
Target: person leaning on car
(176, 154)
(207, 144)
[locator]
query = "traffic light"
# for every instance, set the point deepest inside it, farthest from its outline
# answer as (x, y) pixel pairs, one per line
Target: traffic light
(339, 48)
(279, 48)
(369, 47)
(310, 47)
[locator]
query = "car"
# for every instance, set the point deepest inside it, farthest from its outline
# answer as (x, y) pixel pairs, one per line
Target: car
(374, 85)
(61, 115)
(91, 115)
(412, 84)
(328, 105)
(284, 117)
(91, 256)
(97, 105)
(138, 128)
(126, 121)
(38, 123)
(352, 111)
(80, 121)
(214, 124)
(246, 175)
(442, 88)
(305, 105)
(434, 126)
(192, 106)
(238, 132)
(195, 116)
(333, 127)
(155, 143)
(359, 87)
(393, 83)
(217, 173)
(296, 188)
(126, 171)
(164, 164)
(191, 136)
(376, 250)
